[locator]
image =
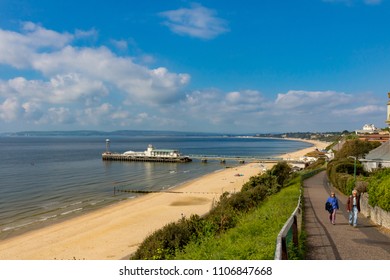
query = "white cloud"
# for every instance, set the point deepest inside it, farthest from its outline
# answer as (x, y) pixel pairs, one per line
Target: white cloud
(39, 37)
(86, 34)
(33, 111)
(295, 110)
(60, 89)
(360, 111)
(76, 84)
(197, 21)
(120, 44)
(59, 59)
(311, 100)
(60, 115)
(85, 87)
(9, 110)
(223, 111)
(17, 49)
(138, 82)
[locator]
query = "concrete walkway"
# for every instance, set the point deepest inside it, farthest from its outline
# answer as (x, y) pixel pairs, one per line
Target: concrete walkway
(340, 241)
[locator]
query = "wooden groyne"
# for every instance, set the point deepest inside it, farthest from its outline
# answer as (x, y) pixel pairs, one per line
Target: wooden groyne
(120, 190)
(122, 157)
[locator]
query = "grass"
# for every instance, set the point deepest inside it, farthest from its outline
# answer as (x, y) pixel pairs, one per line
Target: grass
(254, 238)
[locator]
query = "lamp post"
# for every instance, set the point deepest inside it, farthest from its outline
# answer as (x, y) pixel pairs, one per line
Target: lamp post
(354, 170)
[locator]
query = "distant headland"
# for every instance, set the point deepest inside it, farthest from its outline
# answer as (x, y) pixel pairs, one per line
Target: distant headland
(325, 136)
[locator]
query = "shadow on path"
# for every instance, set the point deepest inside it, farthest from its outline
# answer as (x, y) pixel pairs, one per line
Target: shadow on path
(341, 241)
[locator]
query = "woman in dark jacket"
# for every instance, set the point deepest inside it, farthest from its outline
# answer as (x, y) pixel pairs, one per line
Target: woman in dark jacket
(333, 206)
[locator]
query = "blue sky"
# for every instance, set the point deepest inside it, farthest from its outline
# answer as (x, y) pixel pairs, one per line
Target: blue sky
(211, 66)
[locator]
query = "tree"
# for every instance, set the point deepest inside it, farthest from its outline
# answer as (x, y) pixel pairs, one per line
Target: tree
(356, 148)
(282, 171)
(267, 179)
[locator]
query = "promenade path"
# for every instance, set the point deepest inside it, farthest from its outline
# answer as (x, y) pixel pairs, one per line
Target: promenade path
(340, 241)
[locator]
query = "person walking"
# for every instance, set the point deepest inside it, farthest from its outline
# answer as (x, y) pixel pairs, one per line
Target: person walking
(332, 205)
(353, 207)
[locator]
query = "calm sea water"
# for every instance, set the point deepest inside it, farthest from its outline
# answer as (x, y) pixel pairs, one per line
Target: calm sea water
(48, 179)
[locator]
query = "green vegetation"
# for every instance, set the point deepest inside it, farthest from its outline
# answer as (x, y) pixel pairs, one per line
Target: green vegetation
(341, 170)
(229, 212)
(379, 189)
(254, 236)
(356, 148)
(341, 174)
(321, 136)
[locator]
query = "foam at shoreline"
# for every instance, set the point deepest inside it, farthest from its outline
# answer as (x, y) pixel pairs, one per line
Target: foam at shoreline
(115, 231)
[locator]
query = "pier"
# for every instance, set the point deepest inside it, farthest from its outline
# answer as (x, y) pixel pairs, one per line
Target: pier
(150, 155)
(107, 156)
(223, 159)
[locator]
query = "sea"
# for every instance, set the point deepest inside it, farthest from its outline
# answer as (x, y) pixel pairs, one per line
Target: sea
(47, 179)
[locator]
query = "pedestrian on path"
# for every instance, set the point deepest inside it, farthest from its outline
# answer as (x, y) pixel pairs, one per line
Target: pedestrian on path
(353, 207)
(332, 205)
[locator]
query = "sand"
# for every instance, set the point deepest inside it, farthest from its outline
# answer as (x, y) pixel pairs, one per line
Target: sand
(114, 232)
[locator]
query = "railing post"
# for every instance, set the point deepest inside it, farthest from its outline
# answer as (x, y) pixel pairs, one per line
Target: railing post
(284, 249)
(295, 231)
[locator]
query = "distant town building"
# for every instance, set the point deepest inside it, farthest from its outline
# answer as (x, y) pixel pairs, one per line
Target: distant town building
(379, 157)
(371, 133)
(367, 129)
(380, 137)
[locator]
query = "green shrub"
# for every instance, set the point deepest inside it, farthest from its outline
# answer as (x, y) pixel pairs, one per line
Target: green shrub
(379, 189)
(282, 172)
(254, 236)
(357, 148)
(267, 180)
(171, 239)
(345, 167)
(163, 243)
(341, 174)
(317, 164)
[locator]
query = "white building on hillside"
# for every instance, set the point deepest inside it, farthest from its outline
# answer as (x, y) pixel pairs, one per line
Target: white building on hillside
(379, 157)
(367, 129)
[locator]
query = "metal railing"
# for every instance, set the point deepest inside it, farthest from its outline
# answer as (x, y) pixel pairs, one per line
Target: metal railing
(281, 252)
(292, 225)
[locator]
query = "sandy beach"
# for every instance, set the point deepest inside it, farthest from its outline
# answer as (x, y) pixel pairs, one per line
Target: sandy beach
(113, 233)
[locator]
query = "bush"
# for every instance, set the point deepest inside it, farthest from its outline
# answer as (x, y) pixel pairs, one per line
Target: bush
(317, 164)
(166, 242)
(379, 189)
(163, 243)
(282, 172)
(253, 238)
(267, 180)
(222, 218)
(341, 174)
(356, 148)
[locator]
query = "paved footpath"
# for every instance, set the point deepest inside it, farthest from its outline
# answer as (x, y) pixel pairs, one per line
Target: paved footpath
(340, 241)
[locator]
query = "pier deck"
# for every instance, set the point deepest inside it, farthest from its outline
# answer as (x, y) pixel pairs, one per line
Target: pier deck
(203, 158)
(240, 159)
(122, 157)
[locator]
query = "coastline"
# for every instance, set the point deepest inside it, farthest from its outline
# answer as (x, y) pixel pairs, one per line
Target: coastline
(299, 153)
(115, 231)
